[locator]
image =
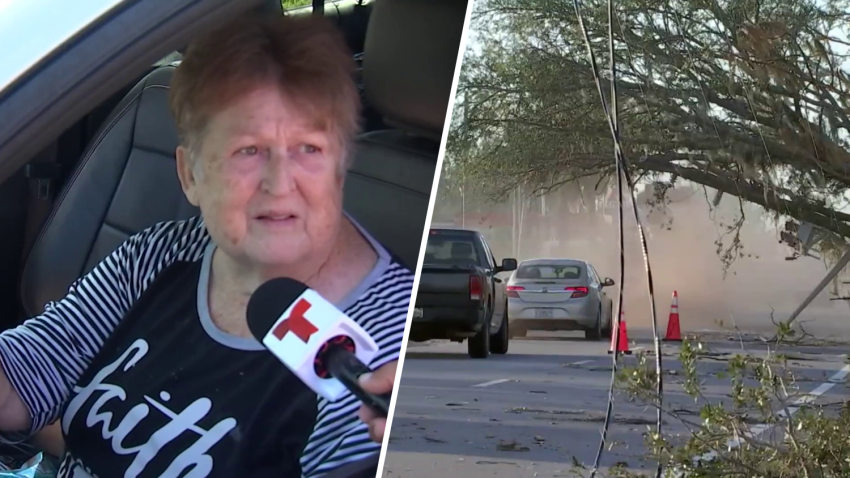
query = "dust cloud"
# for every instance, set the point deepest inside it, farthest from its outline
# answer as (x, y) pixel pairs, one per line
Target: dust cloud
(684, 258)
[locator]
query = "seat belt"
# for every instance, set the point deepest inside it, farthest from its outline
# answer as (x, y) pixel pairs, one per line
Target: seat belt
(44, 172)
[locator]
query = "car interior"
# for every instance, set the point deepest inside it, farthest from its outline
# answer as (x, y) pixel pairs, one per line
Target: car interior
(112, 173)
(443, 251)
(463, 251)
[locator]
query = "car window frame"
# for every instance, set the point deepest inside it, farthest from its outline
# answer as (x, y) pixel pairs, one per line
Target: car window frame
(596, 277)
(464, 236)
(96, 63)
(583, 270)
(491, 258)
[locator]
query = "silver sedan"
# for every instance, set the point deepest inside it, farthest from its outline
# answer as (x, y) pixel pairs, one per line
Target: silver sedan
(559, 294)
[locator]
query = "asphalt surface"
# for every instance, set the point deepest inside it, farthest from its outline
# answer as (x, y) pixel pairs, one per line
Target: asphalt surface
(538, 410)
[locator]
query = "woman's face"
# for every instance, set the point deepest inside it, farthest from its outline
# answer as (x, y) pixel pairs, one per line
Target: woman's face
(267, 180)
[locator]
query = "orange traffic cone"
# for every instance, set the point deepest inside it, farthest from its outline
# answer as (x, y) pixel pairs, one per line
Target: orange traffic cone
(622, 337)
(674, 332)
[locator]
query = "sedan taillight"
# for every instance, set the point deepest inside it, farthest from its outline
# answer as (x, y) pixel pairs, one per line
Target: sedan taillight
(578, 292)
(511, 291)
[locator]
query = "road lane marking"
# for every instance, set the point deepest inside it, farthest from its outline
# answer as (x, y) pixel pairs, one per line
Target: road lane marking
(492, 382)
(580, 362)
(803, 400)
(810, 397)
(758, 430)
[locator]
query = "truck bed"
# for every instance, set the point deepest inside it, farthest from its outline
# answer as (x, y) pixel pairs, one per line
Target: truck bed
(445, 286)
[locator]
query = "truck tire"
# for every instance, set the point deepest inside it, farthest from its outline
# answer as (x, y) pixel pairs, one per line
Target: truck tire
(500, 340)
(608, 330)
(478, 346)
(596, 332)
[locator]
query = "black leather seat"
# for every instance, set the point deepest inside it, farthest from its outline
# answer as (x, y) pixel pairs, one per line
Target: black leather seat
(127, 182)
(410, 55)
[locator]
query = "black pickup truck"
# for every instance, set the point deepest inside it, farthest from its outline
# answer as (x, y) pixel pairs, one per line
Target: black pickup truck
(460, 294)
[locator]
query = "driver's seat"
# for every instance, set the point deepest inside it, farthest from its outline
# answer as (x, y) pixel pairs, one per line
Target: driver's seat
(126, 180)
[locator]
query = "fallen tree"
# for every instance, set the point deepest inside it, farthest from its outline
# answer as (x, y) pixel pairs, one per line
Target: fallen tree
(750, 98)
(770, 427)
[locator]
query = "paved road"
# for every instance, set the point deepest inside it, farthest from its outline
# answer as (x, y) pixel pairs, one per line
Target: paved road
(536, 410)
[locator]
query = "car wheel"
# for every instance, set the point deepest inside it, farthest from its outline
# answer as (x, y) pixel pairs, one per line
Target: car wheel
(500, 341)
(596, 332)
(479, 346)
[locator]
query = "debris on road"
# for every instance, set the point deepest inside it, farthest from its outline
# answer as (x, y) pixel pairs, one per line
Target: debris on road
(511, 446)
(588, 416)
(537, 410)
(563, 400)
(487, 462)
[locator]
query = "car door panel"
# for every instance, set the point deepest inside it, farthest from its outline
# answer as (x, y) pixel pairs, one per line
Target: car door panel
(604, 300)
(596, 287)
(497, 287)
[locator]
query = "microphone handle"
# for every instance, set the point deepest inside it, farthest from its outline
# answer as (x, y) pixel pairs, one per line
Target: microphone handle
(347, 368)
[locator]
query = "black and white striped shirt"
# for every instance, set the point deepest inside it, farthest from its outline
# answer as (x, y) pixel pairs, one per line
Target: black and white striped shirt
(146, 385)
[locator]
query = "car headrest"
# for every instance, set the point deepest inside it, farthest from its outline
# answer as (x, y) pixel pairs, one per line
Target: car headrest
(409, 61)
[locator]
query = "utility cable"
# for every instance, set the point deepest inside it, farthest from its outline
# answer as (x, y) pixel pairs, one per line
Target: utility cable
(622, 168)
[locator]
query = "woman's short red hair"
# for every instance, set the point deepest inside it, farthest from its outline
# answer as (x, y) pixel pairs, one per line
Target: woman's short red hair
(305, 56)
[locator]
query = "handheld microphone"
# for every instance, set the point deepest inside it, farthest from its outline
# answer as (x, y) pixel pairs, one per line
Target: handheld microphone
(325, 348)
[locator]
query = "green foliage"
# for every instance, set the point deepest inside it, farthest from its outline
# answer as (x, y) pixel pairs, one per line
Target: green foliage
(813, 442)
(747, 97)
(295, 3)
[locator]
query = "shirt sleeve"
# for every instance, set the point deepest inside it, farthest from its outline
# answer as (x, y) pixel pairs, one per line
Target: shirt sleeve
(45, 356)
(339, 437)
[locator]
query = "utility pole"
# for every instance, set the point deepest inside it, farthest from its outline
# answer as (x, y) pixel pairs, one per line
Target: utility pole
(513, 223)
(833, 273)
(521, 206)
(463, 201)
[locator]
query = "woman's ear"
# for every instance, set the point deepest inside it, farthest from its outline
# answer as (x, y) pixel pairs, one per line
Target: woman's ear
(186, 174)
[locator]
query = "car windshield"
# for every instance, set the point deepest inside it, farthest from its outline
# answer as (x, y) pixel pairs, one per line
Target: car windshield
(450, 250)
(549, 271)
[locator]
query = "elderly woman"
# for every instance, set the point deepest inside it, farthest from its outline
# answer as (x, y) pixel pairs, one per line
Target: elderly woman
(148, 363)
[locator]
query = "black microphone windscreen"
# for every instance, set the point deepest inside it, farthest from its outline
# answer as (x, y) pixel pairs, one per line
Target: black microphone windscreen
(269, 302)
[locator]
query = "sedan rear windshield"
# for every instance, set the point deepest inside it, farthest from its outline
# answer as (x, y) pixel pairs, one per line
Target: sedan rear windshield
(451, 249)
(548, 271)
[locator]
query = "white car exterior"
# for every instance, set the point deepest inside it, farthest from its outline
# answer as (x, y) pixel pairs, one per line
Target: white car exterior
(559, 294)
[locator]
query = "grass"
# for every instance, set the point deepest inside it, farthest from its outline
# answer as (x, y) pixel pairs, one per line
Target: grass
(290, 4)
